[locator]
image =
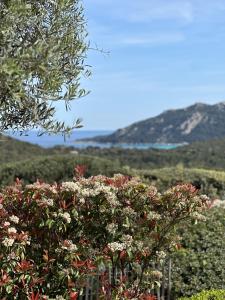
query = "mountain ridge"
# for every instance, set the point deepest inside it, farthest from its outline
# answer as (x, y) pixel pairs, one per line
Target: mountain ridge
(197, 122)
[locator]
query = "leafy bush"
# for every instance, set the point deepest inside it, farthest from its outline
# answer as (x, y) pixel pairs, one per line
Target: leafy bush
(208, 295)
(210, 182)
(54, 237)
(55, 168)
(199, 265)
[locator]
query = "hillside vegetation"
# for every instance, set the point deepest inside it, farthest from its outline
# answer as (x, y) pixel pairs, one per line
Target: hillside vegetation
(209, 155)
(12, 149)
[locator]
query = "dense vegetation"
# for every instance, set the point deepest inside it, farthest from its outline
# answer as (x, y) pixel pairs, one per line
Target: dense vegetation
(53, 238)
(199, 264)
(208, 295)
(55, 168)
(207, 155)
(210, 182)
(13, 150)
(31, 162)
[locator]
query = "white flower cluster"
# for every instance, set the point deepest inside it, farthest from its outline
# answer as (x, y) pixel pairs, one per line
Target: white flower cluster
(66, 216)
(119, 246)
(71, 186)
(1, 206)
(6, 224)
(46, 201)
(129, 211)
(12, 230)
(161, 255)
(218, 203)
(112, 228)
(115, 246)
(69, 246)
(8, 242)
(127, 240)
(14, 219)
(153, 216)
(198, 217)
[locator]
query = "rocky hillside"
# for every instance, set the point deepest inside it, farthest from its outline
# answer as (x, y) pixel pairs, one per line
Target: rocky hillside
(198, 122)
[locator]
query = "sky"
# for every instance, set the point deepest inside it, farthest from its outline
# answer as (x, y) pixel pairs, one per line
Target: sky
(157, 55)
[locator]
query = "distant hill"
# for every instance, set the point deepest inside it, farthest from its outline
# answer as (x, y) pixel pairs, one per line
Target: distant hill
(12, 150)
(198, 122)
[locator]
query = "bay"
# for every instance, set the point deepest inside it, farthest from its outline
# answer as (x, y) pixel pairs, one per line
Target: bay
(48, 141)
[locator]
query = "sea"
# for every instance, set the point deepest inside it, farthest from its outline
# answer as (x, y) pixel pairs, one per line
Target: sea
(48, 141)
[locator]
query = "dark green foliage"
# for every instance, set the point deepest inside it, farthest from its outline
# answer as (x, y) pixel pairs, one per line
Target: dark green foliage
(55, 168)
(42, 51)
(200, 265)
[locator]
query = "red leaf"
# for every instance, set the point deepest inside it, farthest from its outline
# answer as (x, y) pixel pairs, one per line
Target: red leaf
(74, 295)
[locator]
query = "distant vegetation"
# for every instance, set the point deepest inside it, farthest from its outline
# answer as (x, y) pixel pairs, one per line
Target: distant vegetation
(207, 155)
(55, 168)
(201, 164)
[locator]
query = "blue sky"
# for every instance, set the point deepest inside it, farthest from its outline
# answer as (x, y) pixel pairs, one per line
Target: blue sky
(162, 54)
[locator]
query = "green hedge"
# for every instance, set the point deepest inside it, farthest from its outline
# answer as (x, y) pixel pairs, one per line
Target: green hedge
(199, 265)
(208, 295)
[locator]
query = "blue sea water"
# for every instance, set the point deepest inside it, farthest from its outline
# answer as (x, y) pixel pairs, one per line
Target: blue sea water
(48, 141)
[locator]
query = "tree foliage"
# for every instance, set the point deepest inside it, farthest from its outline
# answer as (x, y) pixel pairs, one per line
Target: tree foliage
(42, 55)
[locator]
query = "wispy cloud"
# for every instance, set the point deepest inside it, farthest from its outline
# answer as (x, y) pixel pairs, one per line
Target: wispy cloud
(145, 10)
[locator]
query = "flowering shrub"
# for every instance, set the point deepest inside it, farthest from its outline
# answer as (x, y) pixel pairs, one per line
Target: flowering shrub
(54, 237)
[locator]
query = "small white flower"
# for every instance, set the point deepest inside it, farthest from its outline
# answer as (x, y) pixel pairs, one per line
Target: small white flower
(71, 186)
(115, 246)
(127, 240)
(65, 216)
(7, 242)
(69, 246)
(161, 255)
(14, 219)
(129, 211)
(1, 206)
(153, 216)
(112, 228)
(198, 217)
(12, 230)
(6, 224)
(47, 202)
(82, 201)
